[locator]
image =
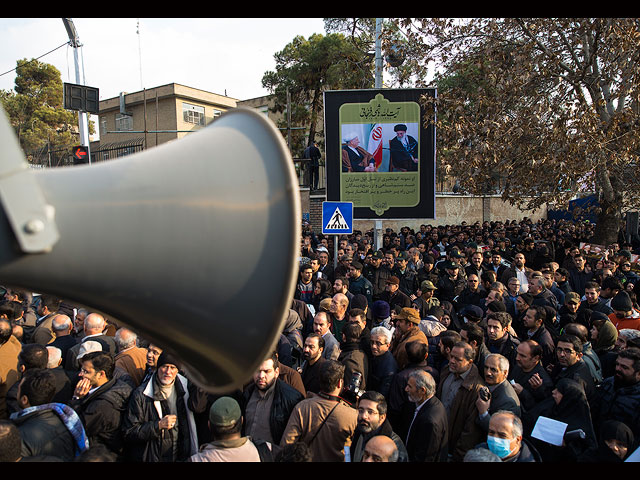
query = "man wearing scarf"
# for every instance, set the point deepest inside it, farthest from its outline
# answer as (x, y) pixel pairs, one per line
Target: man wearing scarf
(158, 426)
(48, 430)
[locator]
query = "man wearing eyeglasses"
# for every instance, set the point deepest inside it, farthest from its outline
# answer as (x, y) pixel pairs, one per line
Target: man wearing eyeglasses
(101, 400)
(569, 364)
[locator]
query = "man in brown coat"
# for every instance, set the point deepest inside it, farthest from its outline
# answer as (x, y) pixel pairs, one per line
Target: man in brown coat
(131, 358)
(407, 330)
(323, 421)
(458, 391)
(9, 350)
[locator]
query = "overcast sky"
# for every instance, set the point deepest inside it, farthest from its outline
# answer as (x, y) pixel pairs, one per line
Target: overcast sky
(212, 54)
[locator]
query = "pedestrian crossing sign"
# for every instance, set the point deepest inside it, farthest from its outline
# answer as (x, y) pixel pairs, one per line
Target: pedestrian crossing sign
(337, 218)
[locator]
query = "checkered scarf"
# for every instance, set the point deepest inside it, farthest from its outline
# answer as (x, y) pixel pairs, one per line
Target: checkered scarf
(68, 416)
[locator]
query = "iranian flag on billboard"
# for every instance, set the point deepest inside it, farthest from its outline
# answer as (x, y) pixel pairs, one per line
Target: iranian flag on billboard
(375, 144)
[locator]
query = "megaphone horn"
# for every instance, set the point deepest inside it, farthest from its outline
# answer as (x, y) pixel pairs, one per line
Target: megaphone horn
(193, 244)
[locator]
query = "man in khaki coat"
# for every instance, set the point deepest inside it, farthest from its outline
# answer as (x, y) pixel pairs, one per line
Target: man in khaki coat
(9, 350)
(407, 330)
(323, 421)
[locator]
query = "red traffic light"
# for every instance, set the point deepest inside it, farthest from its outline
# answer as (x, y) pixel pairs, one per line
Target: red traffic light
(80, 154)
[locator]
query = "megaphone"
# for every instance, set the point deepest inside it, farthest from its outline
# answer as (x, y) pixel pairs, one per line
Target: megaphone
(192, 244)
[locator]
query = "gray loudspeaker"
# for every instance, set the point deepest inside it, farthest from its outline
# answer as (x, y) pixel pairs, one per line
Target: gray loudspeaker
(192, 244)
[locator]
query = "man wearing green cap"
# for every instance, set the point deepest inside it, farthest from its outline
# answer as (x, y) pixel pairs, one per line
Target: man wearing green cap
(426, 300)
(228, 445)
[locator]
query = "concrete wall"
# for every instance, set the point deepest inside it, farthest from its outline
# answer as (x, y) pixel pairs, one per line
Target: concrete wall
(450, 210)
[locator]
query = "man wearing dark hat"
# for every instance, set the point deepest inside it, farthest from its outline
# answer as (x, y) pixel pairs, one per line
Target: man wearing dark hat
(407, 330)
(377, 273)
(393, 296)
(228, 445)
(404, 151)
(426, 300)
(358, 284)
(381, 315)
(427, 272)
(158, 425)
(451, 283)
(624, 315)
(408, 278)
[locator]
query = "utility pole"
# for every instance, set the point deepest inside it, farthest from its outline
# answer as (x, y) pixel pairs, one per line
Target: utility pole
(74, 41)
(377, 231)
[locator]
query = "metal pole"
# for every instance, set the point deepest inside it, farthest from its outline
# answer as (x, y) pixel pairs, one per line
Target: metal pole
(378, 83)
(377, 230)
(82, 116)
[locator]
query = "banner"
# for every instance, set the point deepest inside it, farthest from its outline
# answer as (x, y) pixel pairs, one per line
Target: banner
(379, 156)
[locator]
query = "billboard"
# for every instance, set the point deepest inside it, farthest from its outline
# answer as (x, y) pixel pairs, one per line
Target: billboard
(379, 154)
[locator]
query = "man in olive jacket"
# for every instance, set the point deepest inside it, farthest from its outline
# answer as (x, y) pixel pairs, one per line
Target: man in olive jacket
(458, 391)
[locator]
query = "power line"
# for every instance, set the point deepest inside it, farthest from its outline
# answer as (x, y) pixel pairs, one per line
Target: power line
(34, 59)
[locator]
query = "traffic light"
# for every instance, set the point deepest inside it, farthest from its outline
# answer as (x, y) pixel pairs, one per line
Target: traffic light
(81, 97)
(80, 155)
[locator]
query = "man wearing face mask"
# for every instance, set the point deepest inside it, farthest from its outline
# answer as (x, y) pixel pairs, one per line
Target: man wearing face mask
(505, 439)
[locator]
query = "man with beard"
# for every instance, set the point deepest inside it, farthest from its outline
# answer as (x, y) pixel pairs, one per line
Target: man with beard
(475, 266)
(101, 400)
(428, 431)
(372, 421)
(312, 364)
(618, 397)
(268, 402)
(158, 425)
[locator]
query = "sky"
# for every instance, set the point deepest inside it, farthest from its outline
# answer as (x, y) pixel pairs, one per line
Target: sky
(214, 54)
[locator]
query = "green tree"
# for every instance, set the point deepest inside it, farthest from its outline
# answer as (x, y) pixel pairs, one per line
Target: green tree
(549, 105)
(306, 68)
(35, 108)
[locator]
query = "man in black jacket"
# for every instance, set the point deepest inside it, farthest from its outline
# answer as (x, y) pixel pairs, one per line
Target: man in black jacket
(427, 437)
(101, 400)
(158, 426)
(268, 403)
(372, 421)
(43, 432)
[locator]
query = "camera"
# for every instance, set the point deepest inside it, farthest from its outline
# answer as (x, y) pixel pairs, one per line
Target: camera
(485, 394)
(353, 391)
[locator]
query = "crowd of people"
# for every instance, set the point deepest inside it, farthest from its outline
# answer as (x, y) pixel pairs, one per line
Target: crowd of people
(487, 342)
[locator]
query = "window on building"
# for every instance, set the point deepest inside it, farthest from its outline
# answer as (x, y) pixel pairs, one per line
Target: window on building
(216, 113)
(124, 122)
(103, 125)
(193, 113)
